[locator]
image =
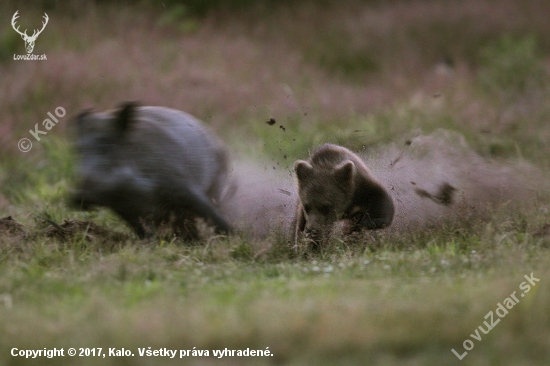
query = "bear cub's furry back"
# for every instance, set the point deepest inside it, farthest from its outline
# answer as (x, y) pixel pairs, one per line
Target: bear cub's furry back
(335, 184)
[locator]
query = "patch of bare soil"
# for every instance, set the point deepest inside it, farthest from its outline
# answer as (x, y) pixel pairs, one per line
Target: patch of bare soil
(10, 227)
(71, 229)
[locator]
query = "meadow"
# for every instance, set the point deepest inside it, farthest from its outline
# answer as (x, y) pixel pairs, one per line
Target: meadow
(468, 78)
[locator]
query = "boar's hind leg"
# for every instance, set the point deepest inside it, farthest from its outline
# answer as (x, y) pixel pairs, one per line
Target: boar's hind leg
(200, 204)
(134, 220)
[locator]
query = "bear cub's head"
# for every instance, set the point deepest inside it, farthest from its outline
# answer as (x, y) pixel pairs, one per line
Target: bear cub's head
(325, 193)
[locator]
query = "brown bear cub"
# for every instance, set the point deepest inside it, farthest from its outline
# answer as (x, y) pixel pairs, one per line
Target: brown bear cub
(334, 184)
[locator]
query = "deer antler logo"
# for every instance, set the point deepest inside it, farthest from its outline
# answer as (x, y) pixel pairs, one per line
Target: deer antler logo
(29, 40)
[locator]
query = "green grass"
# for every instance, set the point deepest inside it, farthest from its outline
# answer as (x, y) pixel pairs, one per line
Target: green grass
(407, 304)
(367, 76)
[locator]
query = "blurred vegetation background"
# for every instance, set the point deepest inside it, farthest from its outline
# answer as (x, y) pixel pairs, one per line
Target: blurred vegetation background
(370, 75)
(359, 73)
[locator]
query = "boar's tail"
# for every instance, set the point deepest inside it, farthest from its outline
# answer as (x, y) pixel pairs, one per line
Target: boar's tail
(126, 115)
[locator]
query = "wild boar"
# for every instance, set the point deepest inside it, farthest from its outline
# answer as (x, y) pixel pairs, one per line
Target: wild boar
(152, 166)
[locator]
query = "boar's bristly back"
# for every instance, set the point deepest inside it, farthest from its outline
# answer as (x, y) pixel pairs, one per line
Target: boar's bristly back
(82, 115)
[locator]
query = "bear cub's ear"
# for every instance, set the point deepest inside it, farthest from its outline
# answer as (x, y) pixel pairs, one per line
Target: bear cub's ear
(303, 170)
(345, 171)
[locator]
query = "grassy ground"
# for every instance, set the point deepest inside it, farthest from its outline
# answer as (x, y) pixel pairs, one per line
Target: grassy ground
(323, 72)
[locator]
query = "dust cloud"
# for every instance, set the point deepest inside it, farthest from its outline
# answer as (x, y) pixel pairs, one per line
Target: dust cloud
(262, 200)
(432, 178)
(438, 177)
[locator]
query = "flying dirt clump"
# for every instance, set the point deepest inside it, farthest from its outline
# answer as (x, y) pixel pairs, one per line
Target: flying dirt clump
(444, 195)
(153, 166)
